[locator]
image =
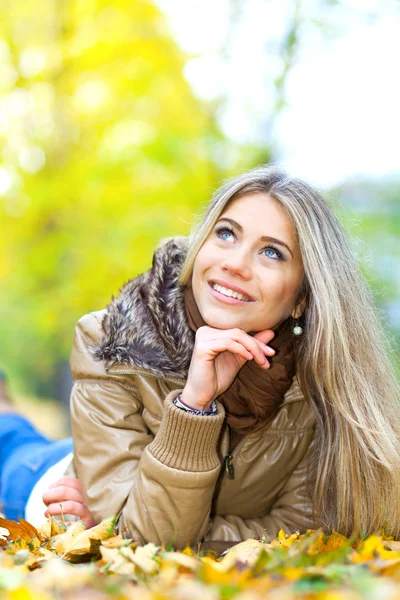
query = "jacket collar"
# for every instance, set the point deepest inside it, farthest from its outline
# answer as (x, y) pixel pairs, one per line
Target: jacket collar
(146, 326)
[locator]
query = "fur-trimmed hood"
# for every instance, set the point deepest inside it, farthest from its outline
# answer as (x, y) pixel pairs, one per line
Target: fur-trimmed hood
(146, 326)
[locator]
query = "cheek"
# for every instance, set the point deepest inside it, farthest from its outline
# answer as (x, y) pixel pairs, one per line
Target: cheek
(284, 291)
(203, 262)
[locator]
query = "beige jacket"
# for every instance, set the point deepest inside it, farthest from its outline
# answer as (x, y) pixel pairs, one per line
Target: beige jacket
(159, 468)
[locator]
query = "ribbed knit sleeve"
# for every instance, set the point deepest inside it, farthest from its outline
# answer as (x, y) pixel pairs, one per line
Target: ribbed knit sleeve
(185, 441)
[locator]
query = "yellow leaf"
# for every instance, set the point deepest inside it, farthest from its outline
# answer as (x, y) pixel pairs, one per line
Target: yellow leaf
(23, 593)
(327, 543)
(188, 551)
(113, 561)
(63, 542)
(246, 552)
(116, 541)
(212, 573)
(81, 541)
(44, 530)
(223, 572)
(372, 548)
(281, 535)
(181, 559)
(23, 531)
(292, 573)
(21, 536)
(143, 557)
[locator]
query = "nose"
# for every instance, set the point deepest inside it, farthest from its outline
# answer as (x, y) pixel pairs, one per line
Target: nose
(237, 263)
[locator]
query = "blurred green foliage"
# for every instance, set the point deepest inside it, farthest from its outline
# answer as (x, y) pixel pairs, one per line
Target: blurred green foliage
(104, 150)
(370, 210)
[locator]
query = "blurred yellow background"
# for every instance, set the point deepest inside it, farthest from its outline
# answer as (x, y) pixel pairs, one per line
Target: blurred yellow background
(106, 147)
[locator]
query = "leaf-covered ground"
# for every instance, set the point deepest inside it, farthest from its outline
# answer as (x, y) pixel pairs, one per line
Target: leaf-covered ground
(70, 562)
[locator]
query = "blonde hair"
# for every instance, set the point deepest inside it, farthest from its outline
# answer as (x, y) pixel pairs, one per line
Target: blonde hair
(342, 360)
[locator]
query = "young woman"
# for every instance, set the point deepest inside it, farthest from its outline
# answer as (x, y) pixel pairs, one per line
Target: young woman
(240, 386)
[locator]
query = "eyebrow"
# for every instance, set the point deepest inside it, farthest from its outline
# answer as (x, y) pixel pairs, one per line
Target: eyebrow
(264, 238)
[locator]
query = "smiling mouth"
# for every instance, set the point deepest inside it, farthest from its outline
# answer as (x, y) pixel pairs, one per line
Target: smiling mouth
(229, 293)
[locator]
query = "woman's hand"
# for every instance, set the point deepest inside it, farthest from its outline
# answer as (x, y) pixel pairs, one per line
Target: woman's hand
(65, 496)
(218, 355)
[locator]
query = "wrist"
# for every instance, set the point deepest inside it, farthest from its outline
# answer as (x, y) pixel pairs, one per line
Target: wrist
(204, 413)
(190, 402)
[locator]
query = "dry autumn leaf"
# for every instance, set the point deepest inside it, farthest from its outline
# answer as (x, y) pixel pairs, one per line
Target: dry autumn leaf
(62, 542)
(51, 527)
(78, 539)
(246, 552)
(21, 535)
(313, 565)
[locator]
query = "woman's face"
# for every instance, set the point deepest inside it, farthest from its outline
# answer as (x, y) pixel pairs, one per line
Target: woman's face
(252, 250)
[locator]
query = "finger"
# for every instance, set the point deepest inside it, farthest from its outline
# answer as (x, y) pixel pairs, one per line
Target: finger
(68, 481)
(238, 349)
(67, 508)
(62, 494)
(251, 344)
(267, 349)
(265, 336)
(221, 338)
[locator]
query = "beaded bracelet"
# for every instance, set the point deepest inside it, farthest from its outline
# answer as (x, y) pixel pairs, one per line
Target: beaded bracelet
(204, 413)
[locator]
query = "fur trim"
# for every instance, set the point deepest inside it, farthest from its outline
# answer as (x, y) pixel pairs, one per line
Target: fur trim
(146, 326)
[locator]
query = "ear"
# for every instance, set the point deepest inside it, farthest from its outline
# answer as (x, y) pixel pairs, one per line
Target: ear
(299, 309)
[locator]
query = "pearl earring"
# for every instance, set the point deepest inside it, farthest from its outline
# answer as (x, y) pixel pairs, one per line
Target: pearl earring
(297, 330)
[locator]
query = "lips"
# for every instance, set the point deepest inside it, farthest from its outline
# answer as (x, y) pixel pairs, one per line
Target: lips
(232, 287)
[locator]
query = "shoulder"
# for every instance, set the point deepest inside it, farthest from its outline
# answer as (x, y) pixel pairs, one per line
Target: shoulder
(85, 368)
(295, 414)
(91, 324)
(88, 333)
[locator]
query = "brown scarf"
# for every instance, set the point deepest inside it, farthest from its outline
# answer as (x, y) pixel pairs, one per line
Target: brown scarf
(255, 394)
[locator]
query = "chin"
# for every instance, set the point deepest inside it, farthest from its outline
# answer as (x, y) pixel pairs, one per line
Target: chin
(223, 322)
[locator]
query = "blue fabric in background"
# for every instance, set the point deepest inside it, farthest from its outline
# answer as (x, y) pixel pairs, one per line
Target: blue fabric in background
(25, 455)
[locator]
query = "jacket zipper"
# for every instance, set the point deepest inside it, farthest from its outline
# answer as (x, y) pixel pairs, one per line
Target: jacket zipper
(229, 468)
(228, 461)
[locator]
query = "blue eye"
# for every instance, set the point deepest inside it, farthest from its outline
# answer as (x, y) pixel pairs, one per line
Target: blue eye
(223, 230)
(273, 253)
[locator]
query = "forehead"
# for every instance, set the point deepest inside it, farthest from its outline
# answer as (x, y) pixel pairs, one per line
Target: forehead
(262, 215)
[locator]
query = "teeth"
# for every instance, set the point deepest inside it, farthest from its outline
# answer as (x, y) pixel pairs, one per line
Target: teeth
(228, 292)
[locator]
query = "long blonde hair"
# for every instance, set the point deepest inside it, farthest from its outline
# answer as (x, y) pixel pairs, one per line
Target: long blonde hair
(342, 360)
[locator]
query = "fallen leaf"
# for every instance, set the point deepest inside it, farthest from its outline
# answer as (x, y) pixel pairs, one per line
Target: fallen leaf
(246, 552)
(62, 542)
(116, 542)
(143, 557)
(183, 560)
(21, 535)
(79, 540)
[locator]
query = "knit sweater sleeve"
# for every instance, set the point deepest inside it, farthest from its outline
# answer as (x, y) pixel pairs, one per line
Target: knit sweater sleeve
(161, 486)
(176, 477)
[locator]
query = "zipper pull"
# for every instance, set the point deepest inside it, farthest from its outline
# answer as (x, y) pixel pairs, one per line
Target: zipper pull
(230, 471)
